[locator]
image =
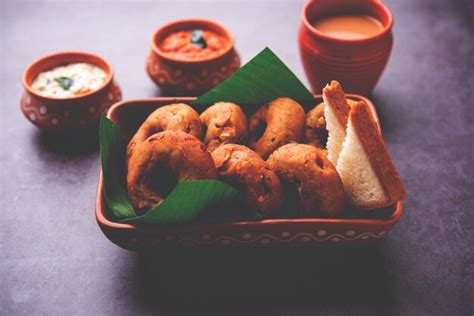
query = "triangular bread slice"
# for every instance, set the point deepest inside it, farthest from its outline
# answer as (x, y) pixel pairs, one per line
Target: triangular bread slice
(364, 165)
(336, 113)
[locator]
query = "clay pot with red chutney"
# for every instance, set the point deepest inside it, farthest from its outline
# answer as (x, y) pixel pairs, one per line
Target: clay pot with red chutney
(190, 57)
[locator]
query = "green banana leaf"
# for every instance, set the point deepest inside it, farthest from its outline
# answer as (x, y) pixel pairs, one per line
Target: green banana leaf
(262, 79)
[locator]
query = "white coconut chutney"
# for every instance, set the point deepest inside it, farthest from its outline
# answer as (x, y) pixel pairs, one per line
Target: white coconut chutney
(68, 81)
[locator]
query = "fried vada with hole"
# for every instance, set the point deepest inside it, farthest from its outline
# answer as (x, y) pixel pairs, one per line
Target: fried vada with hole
(315, 178)
(242, 167)
(225, 123)
(275, 124)
(172, 117)
(160, 162)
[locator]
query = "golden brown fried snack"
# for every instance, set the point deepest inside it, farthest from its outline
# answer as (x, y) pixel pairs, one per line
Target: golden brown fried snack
(317, 181)
(315, 130)
(160, 161)
(226, 123)
(275, 124)
(172, 117)
(241, 166)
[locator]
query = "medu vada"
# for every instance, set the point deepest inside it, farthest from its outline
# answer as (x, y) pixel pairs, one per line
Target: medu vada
(224, 123)
(160, 161)
(242, 167)
(275, 124)
(315, 129)
(315, 178)
(172, 117)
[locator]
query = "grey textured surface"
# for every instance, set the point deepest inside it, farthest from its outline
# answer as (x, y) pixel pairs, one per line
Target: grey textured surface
(55, 261)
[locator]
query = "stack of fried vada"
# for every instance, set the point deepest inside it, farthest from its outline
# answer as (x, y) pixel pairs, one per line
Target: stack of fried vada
(278, 144)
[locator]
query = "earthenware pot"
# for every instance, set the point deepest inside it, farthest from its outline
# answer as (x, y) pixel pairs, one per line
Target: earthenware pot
(185, 77)
(59, 115)
(356, 63)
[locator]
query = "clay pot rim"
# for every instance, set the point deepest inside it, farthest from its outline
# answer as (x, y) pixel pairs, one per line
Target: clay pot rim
(386, 28)
(206, 24)
(26, 74)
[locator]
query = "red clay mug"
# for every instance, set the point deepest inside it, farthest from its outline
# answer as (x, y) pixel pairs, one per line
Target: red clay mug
(356, 63)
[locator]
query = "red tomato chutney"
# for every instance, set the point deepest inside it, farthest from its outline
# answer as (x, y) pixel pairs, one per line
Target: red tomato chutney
(194, 45)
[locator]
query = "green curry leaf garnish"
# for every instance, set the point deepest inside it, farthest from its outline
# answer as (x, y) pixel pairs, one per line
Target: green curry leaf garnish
(64, 82)
(197, 39)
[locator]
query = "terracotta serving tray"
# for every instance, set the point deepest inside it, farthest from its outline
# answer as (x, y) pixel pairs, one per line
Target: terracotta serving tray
(130, 114)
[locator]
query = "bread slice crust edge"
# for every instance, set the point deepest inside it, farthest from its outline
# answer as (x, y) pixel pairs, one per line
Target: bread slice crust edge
(334, 96)
(336, 111)
(376, 150)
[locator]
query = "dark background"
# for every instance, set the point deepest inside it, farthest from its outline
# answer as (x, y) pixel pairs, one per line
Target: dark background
(55, 260)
